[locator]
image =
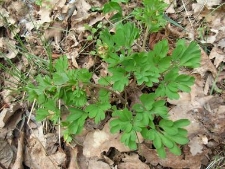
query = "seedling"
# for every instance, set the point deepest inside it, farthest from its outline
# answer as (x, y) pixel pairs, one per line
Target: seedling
(74, 89)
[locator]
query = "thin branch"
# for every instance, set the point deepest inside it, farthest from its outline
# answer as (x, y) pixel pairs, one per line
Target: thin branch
(187, 14)
(110, 90)
(145, 39)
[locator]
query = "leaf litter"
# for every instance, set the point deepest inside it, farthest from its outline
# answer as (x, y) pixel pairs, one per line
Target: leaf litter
(97, 147)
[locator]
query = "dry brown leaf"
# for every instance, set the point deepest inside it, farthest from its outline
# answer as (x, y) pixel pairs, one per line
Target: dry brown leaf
(6, 113)
(73, 158)
(206, 65)
(196, 145)
(209, 3)
(6, 153)
(221, 44)
(19, 155)
(6, 14)
(95, 78)
(44, 14)
(37, 158)
(55, 31)
(98, 141)
(218, 55)
(73, 56)
(88, 63)
(132, 162)
(171, 4)
(82, 10)
(7, 48)
(173, 161)
(95, 164)
(208, 83)
(218, 121)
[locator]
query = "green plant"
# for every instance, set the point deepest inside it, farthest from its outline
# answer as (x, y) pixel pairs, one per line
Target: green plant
(152, 16)
(74, 89)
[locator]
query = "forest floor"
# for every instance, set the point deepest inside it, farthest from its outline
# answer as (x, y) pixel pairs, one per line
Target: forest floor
(67, 27)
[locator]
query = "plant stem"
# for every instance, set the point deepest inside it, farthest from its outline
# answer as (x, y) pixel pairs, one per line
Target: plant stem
(145, 39)
(110, 90)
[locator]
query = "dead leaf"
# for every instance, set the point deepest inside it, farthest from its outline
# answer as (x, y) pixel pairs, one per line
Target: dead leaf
(82, 10)
(132, 162)
(206, 65)
(171, 4)
(93, 164)
(196, 145)
(218, 55)
(99, 141)
(7, 154)
(73, 158)
(6, 113)
(37, 158)
(73, 56)
(7, 48)
(209, 3)
(88, 63)
(55, 31)
(221, 44)
(173, 161)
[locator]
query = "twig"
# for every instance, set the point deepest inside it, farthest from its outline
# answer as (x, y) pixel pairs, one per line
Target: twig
(110, 90)
(32, 108)
(187, 14)
(145, 39)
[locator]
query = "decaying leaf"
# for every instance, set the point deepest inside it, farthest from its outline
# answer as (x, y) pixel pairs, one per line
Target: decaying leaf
(132, 161)
(93, 164)
(37, 158)
(173, 161)
(98, 141)
(218, 55)
(7, 48)
(7, 154)
(196, 145)
(6, 113)
(206, 65)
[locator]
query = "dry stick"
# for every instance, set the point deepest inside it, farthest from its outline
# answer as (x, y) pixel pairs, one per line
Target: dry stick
(188, 17)
(19, 154)
(32, 108)
(145, 39)
(106, 88)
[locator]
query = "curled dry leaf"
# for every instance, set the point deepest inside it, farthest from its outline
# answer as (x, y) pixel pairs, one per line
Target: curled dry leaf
(6, 113)
(218, 55)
